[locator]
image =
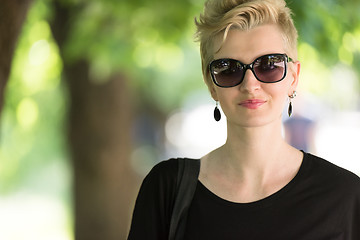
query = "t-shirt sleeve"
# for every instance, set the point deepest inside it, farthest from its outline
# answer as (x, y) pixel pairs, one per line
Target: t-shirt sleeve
(347, 186)
(352, 217)
(154, 203)
(338, 190)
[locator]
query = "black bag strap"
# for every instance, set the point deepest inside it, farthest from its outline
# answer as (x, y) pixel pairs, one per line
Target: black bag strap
(187, 179)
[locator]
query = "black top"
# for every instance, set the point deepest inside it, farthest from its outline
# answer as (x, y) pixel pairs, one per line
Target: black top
(321, 202)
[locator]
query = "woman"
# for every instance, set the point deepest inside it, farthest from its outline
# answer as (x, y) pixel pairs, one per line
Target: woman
(255, 186)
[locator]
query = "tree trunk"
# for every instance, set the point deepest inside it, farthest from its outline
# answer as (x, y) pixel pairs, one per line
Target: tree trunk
(12, 16)
(99, 130)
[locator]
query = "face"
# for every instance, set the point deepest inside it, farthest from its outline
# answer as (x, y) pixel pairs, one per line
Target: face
(253, 103)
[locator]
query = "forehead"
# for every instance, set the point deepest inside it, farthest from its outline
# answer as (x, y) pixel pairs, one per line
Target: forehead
(250, 44)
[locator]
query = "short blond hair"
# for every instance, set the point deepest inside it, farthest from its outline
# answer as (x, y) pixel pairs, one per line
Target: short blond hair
(220, 16)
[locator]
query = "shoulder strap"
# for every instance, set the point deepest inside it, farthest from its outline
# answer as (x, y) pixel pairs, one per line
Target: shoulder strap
(187, 178)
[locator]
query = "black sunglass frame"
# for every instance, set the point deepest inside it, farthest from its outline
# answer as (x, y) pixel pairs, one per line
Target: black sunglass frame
(251, 67)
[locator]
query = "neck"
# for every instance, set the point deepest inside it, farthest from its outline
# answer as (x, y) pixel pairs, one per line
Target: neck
(252, 164)
(255, 148)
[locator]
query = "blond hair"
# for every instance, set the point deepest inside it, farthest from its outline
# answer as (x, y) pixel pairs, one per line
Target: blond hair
(220, 16)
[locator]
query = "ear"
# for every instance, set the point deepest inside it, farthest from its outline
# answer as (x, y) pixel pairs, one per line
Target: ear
(295, 72)
(211, 86)
(212, 89)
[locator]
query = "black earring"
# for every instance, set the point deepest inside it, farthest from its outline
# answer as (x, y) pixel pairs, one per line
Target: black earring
(217, 114)
(291, 97)
(290, 109)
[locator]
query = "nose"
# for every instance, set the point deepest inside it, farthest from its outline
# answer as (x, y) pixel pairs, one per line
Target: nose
(249, 83)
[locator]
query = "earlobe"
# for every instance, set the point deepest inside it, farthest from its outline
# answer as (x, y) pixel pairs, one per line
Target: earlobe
(213, 92)
(211, 86)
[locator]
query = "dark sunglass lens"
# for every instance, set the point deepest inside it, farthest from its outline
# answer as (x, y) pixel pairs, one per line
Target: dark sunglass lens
(227, 72)
(270, 68)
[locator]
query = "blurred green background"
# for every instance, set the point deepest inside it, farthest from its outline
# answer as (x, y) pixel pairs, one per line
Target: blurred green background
(150, 45)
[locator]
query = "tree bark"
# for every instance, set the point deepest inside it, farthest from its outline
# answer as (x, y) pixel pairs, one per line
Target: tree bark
(99, 130)
(12, 16)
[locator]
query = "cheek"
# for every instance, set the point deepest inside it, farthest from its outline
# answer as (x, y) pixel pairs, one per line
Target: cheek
(278, 93)
(226, 95)
(283, 88)
(227, 100)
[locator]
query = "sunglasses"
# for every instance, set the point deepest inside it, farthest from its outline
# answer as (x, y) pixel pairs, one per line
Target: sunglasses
(269, 68)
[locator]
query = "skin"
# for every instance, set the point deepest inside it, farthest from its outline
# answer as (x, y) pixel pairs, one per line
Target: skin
(255, 162)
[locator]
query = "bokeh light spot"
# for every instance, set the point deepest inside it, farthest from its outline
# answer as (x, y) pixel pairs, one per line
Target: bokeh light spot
(345, 55)
(39, 52)
(27, 113)
(169, 57)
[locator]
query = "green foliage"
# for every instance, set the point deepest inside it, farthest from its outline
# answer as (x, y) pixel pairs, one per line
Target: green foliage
(152, 41)
(147, 40)
(331, 27)
(32, 123)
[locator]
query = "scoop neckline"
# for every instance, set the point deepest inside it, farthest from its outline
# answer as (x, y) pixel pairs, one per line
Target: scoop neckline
(264, 202)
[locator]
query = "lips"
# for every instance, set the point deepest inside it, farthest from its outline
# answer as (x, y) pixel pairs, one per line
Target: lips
(252, 103)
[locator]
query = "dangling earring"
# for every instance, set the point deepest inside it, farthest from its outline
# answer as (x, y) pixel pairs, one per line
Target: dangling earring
(291, 97)
(217, 114)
